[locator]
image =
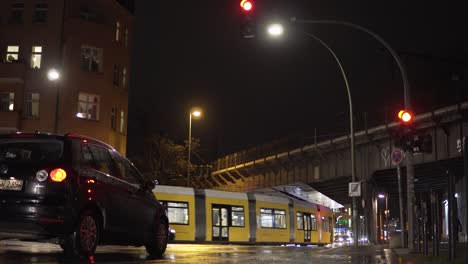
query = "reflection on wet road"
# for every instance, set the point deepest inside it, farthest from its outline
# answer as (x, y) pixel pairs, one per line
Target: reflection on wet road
(26, 252)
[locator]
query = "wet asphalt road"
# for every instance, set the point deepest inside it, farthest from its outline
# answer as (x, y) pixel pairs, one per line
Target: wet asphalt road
(26, 252)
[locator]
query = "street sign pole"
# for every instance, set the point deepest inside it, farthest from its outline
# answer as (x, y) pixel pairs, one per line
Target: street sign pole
(402, 216)
(397, 157)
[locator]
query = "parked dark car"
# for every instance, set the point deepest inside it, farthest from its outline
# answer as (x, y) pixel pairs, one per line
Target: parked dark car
(77, 192)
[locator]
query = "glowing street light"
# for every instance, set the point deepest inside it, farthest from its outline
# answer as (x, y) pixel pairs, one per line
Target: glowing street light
(381, 196)
(275, 30)
(53, 75)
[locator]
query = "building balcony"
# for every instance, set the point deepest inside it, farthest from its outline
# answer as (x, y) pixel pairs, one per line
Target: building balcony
(9, 121)
(12, 72)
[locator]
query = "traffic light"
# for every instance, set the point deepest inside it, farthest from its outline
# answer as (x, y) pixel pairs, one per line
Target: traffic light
(405, 132)
(246, 5)
(408, 138)
(248, 26)
(405, 116)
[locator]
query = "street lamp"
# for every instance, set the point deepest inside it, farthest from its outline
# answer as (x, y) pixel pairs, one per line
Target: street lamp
(196, 113)
(54, 75)
(406, 96)
(277, 30)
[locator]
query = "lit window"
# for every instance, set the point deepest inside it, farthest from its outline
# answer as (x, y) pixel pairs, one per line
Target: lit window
(7, 102)
(113, 119)
(36, 56)
(272, 218)
(126, 37)
(122, 121)
(117, 31)
(237, 216)
(32, 105)
(88, 106)
(177, 212)
(300, 221)
(266, 218)
(17, 9)
(40, 12)
(91, 59)
(313, 219)
(12, 53)
(124, 77)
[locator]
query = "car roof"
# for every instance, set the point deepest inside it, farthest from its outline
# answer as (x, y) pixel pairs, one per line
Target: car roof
(53, 136)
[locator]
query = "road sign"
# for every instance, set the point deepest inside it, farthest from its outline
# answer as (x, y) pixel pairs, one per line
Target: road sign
(397, 156)
(354, 189)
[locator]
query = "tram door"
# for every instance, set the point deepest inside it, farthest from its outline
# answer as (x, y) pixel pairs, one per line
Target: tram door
(220, 218)
(307, 227)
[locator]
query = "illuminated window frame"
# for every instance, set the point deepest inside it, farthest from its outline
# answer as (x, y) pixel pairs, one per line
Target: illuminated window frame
(117, 31)
(36, 57)
(176, 206)
(124, 77)
(85, 103)
(239, 212)
(273, 214)
(12, 54)
(7, 102)
(122, 122)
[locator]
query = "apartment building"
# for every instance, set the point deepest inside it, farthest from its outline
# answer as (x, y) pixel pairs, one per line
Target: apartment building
(88, 43)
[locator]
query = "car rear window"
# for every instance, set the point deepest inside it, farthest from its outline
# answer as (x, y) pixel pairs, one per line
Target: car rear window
(30, 150)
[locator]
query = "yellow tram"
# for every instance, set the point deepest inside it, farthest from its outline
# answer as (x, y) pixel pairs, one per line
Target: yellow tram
(213, 216)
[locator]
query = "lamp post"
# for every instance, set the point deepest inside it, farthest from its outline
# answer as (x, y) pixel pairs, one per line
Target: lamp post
(195, 113)
(277, 30)
(54, 75)
(406, 96)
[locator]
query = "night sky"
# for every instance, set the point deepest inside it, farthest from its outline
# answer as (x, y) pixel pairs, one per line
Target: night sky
(254, 91)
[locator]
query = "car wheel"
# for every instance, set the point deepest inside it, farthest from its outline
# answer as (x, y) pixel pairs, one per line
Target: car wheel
(158, 243)
(85, 238)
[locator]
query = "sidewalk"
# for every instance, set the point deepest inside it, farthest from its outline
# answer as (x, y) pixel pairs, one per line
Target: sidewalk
(406, 257)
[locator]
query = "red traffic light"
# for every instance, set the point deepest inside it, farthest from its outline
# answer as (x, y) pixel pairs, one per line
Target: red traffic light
(405, 116)
(246, 5)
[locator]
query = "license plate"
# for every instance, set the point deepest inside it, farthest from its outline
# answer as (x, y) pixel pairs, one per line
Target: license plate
(11, 185)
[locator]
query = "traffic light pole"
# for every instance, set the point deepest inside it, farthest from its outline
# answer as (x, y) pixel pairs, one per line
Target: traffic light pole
(406, 95)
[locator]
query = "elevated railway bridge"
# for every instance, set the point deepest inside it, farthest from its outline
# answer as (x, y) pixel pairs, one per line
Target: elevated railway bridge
(313, 171)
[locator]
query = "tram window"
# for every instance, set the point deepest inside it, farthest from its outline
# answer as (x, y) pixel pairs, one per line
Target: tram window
(300, 221)
(272, 218)
(177, 212)
(266, 218)
(237, 216)
(325, 224)
(280, 218)
(313, 226)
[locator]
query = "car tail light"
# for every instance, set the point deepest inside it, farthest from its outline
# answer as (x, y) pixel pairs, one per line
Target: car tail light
(58, 175)
(42, 175)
